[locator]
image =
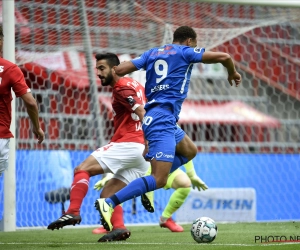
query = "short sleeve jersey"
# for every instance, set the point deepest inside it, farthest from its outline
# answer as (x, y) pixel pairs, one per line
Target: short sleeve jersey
(168, 71)
(11, 78)
(127, 95)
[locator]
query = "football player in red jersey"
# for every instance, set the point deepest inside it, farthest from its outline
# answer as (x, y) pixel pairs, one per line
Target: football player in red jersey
(12, 78)
(123, 156)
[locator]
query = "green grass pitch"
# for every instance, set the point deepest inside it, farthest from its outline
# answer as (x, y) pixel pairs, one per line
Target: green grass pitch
(230, 236)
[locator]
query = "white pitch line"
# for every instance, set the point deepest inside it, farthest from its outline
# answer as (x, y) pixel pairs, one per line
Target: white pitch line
(129, 243)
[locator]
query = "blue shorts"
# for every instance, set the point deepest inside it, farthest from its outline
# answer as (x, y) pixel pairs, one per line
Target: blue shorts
(162, 133)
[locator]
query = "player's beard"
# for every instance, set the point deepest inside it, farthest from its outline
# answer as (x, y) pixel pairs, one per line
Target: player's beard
(107, 80)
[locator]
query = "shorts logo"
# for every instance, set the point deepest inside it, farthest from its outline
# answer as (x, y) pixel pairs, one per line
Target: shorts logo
(159, 154)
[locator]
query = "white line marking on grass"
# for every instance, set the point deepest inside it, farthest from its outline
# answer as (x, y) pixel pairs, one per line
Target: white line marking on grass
(158, 243)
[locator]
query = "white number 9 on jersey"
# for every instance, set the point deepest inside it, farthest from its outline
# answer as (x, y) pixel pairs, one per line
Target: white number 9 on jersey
(161, 69)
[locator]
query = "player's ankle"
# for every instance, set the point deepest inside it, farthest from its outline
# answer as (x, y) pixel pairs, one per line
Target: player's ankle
(74, 212)
(163, 219)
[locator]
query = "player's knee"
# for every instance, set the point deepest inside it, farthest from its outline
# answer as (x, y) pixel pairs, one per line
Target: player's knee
(185, 183)
(78, 168)
(181, 181)
(192, 152)
(82, 167)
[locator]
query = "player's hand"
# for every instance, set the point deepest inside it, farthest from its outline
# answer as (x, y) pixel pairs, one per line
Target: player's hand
(198, 183)
(39, 133)
(236, 77)
(100, 184)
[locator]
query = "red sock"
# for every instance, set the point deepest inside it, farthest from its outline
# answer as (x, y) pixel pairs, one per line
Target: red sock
(117, 219)
(78, 191)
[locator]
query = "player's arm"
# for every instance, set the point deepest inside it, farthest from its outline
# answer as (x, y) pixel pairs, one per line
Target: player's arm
(125, 68)
(140, 112)
(195, 179)
(226, 60)
(32, 110)
(133, 65)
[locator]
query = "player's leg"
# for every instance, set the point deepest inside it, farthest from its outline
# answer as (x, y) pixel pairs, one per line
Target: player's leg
(179, 181)
(112, 185)
(133, 166)
(186, 150)
(91, 166)
(147, 199)
(119, 231)
(135, 188)
(79, 187)
(159, 130)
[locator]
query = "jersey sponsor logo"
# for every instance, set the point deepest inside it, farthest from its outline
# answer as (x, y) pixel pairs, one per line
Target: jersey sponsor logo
(168, 47)
(1, 69)
(0, 80)
(160, 87)
(163, 52)
(198, 50)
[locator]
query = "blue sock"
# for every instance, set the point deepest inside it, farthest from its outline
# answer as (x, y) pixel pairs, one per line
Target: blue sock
(179, 160)
(133, 189)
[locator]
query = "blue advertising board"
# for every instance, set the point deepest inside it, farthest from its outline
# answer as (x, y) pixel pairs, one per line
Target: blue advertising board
(274, 177)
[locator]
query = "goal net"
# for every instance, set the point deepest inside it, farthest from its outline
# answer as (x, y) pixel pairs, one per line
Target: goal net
(248, 137)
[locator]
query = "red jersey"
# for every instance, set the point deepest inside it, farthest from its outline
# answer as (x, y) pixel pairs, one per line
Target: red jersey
(127, 95)
(11, 77)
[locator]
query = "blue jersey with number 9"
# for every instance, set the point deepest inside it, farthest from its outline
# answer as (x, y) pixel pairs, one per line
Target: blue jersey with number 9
(168, 70)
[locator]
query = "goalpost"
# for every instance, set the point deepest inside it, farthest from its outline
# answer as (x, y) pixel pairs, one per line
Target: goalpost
(8, 222)
(51, 47)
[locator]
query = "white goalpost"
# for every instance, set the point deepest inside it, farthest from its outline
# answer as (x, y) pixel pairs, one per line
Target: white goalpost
(8, 222)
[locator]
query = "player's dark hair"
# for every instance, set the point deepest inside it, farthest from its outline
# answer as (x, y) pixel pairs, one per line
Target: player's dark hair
(111, 58)
(1, 31)
(184, 32)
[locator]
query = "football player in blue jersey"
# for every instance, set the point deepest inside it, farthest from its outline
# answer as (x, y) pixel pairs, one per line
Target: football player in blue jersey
(168, 70)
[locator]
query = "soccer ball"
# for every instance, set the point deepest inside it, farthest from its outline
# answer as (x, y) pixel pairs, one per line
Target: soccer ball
(204, 230)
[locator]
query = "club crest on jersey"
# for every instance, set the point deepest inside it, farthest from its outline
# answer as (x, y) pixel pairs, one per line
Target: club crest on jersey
(130, 100)
(197, 50)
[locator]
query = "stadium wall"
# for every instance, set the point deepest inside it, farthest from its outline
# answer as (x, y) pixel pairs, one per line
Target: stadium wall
(274, 177)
